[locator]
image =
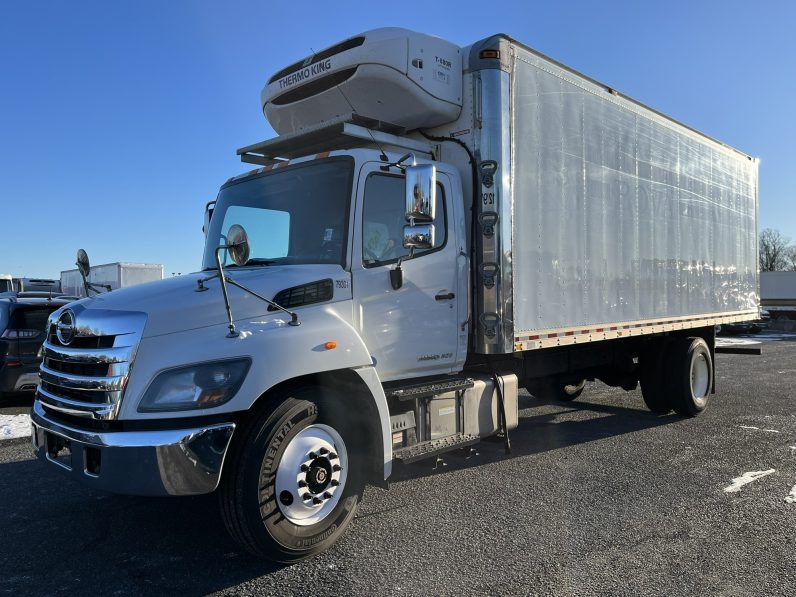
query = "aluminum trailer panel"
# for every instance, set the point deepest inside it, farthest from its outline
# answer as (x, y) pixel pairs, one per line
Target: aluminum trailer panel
(619, 214)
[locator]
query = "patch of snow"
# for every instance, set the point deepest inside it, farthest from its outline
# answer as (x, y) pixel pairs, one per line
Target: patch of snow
(747, 478)
(791, 497)
(14, 426)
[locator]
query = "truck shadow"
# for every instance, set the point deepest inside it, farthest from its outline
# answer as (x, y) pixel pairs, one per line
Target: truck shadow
(61, 536)
(545, 425)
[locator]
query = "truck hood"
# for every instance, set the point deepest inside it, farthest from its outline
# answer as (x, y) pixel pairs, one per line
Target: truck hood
(174, 305)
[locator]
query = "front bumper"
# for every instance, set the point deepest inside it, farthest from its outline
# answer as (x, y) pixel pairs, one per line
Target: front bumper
(157, 463)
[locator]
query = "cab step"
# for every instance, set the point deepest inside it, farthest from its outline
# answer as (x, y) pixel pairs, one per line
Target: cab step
(434, 447)
(430, 389)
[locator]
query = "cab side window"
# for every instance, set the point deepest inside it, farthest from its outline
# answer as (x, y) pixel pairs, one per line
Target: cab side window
(383, 220)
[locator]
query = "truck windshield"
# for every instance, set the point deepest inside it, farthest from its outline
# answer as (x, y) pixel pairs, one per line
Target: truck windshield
(292, 215)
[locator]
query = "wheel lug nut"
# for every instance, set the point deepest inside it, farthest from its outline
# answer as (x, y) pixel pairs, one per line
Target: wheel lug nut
(332, 456)
(335, 482)
(313, 455)
(323, 451)
(336, 468)
(302, 483)
(306, 497)
(304, 468)
(317, 500)
(326, 495)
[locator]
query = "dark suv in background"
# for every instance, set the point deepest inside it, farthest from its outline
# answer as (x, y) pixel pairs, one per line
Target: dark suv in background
(22, 332)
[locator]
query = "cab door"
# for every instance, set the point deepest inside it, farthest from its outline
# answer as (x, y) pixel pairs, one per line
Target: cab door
(415, 330)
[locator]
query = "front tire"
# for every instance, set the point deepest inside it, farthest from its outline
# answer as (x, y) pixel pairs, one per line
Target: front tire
(293, 480)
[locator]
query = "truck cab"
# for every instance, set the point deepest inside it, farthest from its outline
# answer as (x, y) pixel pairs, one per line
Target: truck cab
(342, 224)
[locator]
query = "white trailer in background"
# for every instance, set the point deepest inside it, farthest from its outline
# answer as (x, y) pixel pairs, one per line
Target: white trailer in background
(434, 227)
(116, 275)
(778, 295)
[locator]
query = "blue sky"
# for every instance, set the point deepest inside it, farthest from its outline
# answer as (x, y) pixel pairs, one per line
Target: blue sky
(120, 120)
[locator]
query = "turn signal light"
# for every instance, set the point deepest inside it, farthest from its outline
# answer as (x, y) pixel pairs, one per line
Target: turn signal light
(330, 345)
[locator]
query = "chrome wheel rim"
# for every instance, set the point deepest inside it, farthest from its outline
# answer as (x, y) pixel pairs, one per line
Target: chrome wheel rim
(311, 475)
(700, 376)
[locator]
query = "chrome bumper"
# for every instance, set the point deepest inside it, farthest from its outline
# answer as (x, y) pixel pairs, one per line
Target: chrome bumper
(166, 462)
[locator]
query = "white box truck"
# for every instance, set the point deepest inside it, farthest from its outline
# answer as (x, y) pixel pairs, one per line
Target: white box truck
(433, 228)
(112, 276)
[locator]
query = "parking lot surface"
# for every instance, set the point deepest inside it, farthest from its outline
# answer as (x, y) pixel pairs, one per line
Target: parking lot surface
(598, 497)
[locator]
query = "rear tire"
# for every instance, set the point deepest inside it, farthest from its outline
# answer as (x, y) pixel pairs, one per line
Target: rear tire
(690, 378)
(293, 478)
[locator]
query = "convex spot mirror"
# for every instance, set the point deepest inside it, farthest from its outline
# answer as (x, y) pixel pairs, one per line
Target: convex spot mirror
(421, 193)
(419, 236)
(82, 263)
(238, 244)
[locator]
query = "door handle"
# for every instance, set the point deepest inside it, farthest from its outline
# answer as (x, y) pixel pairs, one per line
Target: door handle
(445, 297)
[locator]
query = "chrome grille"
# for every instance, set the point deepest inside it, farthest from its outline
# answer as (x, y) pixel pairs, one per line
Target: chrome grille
(87, 378)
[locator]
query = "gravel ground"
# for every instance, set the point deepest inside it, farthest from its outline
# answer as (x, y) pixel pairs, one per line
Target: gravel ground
(599, 497)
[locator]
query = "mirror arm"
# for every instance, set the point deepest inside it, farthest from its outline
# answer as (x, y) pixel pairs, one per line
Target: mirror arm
(86, 286)
(200, 283)
(403, 158)
(293, 317)
(232, 331)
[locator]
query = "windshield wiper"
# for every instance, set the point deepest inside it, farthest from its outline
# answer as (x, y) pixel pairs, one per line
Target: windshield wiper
(250, 262)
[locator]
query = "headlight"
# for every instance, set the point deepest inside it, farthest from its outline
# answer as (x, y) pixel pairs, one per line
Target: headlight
(196, 386)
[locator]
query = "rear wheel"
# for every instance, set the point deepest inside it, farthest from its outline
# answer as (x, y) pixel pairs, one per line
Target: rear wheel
(690, 379)
(293, 480)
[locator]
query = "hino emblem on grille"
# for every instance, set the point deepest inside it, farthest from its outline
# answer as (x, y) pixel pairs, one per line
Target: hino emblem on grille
(65, 327)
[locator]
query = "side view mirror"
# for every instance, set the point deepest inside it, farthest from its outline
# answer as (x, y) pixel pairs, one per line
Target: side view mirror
(84, 267)
(419, 236)
(421, 193)
(82, 263)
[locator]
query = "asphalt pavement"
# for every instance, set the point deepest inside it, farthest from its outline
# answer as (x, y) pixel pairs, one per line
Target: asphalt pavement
(598, 497)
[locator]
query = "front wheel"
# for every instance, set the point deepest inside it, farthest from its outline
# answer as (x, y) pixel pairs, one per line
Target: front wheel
(293, 481)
